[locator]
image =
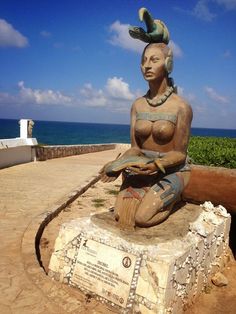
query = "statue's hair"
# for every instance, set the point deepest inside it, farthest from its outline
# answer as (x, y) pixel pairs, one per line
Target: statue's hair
(164, 48)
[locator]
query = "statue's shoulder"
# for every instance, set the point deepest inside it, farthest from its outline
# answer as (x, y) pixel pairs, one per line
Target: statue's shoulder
(181, 102)
(138, 102)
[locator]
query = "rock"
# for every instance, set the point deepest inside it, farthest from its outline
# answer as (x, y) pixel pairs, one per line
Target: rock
(207, 206)
(220, 210)
(219, 280)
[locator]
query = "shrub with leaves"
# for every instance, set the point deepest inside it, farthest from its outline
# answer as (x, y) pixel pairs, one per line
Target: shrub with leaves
(213, 151)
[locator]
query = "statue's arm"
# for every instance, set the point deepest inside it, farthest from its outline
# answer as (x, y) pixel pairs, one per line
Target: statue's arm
(107, 172)
(132, 124)
(135, 148)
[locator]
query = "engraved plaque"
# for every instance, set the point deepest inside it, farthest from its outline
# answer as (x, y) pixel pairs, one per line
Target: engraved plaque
(104, 270)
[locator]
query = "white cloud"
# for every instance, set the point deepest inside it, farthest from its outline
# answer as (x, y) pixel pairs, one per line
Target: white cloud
(117, 88)
(200, 109)
(42, 97)
(228, 4)
(177, 51)
(93, 97)
(211, 111)
(180, 91)
(202, 11)
(58, 45)
(116, 95)
(29, 96)
(10, 37)
(7, 99)
(227, 54)
(212, 94)
(190, 97)
(45, 34)
(121, 38)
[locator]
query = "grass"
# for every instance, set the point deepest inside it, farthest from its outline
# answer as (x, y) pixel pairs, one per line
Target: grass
(98, 202)
(112, 192)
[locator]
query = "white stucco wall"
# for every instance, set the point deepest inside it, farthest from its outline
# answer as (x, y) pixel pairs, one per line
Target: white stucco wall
(16, 151)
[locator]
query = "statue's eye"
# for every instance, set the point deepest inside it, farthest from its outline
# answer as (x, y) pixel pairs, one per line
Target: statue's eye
(155, 59)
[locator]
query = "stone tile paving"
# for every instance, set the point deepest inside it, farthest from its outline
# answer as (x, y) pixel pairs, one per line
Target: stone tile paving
(27, 193)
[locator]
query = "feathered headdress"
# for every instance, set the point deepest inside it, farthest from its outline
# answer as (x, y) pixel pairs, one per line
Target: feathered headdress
(157, 31)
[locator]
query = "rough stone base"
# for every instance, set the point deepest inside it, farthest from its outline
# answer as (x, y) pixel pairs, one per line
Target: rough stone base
(164, 267)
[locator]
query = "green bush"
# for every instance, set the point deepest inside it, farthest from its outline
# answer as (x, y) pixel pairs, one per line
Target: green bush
(213, 151)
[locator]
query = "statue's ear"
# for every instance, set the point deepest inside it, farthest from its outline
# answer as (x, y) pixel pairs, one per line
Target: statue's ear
(169, 62)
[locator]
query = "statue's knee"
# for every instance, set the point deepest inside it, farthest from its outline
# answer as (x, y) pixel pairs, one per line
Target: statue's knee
(145, 214)
(140, 222)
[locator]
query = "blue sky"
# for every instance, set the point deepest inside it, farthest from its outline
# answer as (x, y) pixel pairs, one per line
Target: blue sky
(74, 60)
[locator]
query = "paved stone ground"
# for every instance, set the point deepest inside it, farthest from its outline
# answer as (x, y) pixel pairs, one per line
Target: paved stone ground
(26, 192)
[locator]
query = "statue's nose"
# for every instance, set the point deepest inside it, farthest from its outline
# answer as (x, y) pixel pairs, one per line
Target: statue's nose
(147, 65)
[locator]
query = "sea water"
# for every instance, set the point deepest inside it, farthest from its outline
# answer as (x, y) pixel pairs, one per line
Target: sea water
(72, 133)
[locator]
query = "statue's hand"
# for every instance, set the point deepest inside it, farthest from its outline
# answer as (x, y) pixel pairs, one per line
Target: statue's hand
(148, 168)
(104, 177)
(144, 169)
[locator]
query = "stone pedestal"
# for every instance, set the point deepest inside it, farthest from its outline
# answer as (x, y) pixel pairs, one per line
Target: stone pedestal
(26, 126)
(154, 270)
(26, 129)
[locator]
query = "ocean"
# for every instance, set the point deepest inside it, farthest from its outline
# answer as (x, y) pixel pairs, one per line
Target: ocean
(72, 133)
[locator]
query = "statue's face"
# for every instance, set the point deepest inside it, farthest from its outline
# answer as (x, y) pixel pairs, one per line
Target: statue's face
(153, 64)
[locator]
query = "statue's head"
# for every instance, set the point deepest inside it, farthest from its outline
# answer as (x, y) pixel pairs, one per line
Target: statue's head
(157, 61)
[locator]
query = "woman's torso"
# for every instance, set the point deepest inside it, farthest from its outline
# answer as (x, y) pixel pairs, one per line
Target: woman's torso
(155, 127)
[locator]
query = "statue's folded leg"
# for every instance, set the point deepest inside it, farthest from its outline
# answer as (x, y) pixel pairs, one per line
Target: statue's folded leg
(158, 202)
(140, 205)
(126, 206)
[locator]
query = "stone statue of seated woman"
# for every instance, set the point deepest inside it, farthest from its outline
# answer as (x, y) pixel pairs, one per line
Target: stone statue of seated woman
(154, 169)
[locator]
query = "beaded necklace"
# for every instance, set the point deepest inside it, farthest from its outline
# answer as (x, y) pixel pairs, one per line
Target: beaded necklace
(157, 101)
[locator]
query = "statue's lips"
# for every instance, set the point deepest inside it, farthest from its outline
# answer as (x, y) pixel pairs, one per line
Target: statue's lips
(149, 73)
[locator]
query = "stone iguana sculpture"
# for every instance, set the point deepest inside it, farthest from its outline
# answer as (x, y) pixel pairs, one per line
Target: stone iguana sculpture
(157, 31)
